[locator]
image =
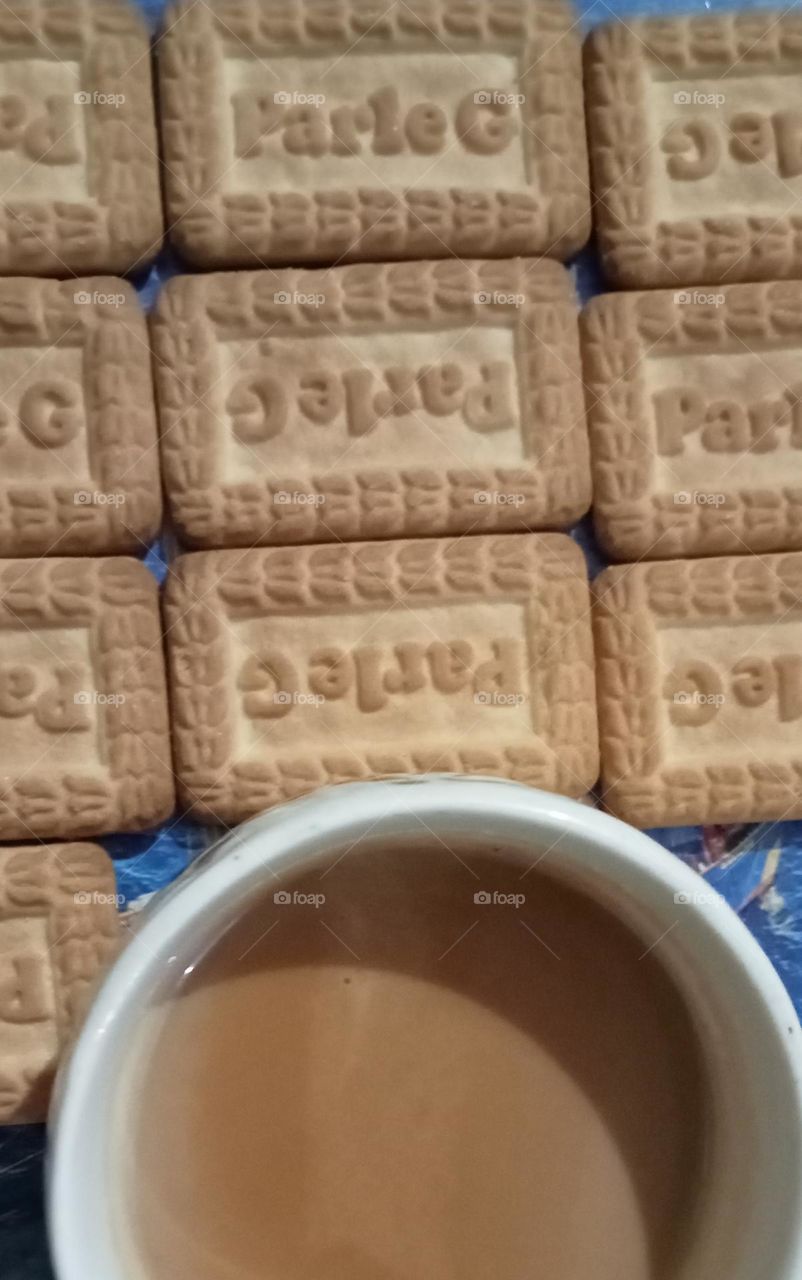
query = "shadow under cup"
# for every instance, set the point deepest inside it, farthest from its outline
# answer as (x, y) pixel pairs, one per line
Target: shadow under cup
(415, 1050)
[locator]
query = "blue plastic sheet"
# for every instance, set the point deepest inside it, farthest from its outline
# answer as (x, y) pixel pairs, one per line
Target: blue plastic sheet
(758, 869)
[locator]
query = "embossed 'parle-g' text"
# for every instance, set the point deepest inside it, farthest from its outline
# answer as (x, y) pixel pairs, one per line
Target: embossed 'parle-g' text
(483, 123)
(696, 148)
(262, 403)
(375, 674)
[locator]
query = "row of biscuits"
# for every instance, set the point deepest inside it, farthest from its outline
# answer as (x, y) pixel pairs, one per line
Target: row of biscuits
(295, 132)
(398, 400)
(294, 667)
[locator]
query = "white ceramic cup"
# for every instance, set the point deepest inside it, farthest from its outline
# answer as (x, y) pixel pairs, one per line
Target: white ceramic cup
(749, 1223)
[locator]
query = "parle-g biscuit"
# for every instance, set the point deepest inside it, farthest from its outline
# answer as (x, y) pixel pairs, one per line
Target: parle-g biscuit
(84, 741)
(695, 419)
(79, 462)
(695, 138)
(79, 165)
(354, 130)
(295, 667)
(59, 930)
(381, 400)
(699, 672)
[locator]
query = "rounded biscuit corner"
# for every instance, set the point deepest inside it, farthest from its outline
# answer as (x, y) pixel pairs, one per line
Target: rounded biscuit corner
(604, 582)
(616, 804)
(164, 798)
(577, 236)
(180, 238)
(179, 573)
(135, 571)
(147, 247)
(583, 504)
(189, 542)
(624, 273)
(590, 770)
(563, 548)
(597, 35)
(610, 545)
(151, 521)
(193, 806)
(107, 283)
(593, 308)
(97, 851)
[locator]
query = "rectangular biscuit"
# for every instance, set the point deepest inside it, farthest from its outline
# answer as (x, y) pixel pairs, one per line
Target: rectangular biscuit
(695, 140)
(371, 401)
(84, 740)
(79, 465)
(79, 165)
(695, 419)
(699, 674)
(59, 930)
(298, 132)
(296, 667)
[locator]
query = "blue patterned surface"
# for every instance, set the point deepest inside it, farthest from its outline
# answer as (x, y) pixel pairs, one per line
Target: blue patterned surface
(757, 868)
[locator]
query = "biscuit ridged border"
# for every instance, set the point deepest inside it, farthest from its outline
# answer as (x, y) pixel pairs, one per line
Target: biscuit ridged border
(631, 602)
(195, 313)
(254, 229)
(42, 881)
(125, 227)
(117, 600)
(639, 250)
(619, 333)
(39, 518)
(207, 589)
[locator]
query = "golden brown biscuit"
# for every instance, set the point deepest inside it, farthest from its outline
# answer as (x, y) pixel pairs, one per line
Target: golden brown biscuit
(79, 467)
(371, 401)
(84, 740)
(295, 667)
(79, 166)
(695, 418)
(699, 670)
(59, 930)
(695, 139)
(300, 132)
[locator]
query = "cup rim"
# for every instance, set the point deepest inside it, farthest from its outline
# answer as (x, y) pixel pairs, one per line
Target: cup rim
(296, 832)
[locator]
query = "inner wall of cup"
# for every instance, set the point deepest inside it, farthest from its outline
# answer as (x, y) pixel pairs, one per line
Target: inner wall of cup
(728, 1011)
(748, 1205)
